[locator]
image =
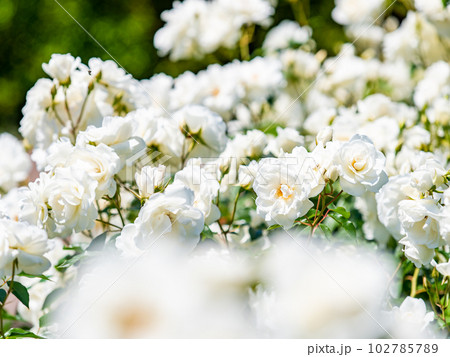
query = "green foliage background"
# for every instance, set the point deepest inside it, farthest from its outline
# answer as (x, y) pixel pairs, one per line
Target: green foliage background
(32, 30)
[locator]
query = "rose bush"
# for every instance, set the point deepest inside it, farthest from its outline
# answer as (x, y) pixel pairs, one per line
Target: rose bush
(249, 199)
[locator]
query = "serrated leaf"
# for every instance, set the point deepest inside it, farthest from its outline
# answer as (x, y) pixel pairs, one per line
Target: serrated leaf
(2, 296)
(20, 292)
(342, 211)
(16, 333)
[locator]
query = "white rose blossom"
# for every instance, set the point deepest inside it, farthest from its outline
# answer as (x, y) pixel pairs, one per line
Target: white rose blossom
(283, 188)
(25, 243)
(169, 215)
(149, 179)
(361, 166)
(15, 164)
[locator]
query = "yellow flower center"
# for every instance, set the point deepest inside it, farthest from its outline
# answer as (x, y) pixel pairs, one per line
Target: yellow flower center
(284, 191)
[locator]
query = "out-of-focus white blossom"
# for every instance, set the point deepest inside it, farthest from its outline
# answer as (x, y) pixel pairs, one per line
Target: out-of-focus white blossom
(196, 27)
(416, 41)
(349, 12)
(286, 34)
(15, 164)
(411, 320)
(341, 301)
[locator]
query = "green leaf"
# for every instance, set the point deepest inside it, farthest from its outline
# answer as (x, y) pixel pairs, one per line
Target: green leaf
(76, 248)
(98, 243)
(255, 233)
(68, 261)
(52, 297)
(7, 316)
(350, 229)
(338, 218)
(43, 277)
(2, 295)
(46, 319)
(16, 333)
(274, 226)
(20, 292)
(111, 243)
(342, 211)
(326, 230)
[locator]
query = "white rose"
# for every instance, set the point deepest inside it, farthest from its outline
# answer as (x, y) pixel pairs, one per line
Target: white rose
(322, 162)
(436, 77)
(247, 174)
(158, 131)
(319, 119)
(446, 197)
(444, 222)
(24, 242)
(417, 253)
(149, 179)
(101, 163)
(422, 180)
(285, 34)
(170, 216)
(285, 141)
(444, 268)
(372, 227)
(71, 197)
(10, 204)
(205, 187)
(15, 164)
(383, 132)
(204, 125)
(361, 166)
(419, 219)
(33, 207)
(349, 12)
(115, 132)
(61, 67)
(411, 319)
(388, 199)
(250, 11)
(416, 137)
(282, 193)
(248, 145)
(324, 135)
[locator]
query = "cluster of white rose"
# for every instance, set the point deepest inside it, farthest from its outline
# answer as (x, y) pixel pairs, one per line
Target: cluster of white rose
(180, 183)
(223, 294)
(187, 32)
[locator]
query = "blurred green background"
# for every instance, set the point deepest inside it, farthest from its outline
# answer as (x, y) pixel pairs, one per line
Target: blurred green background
(31, 30)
